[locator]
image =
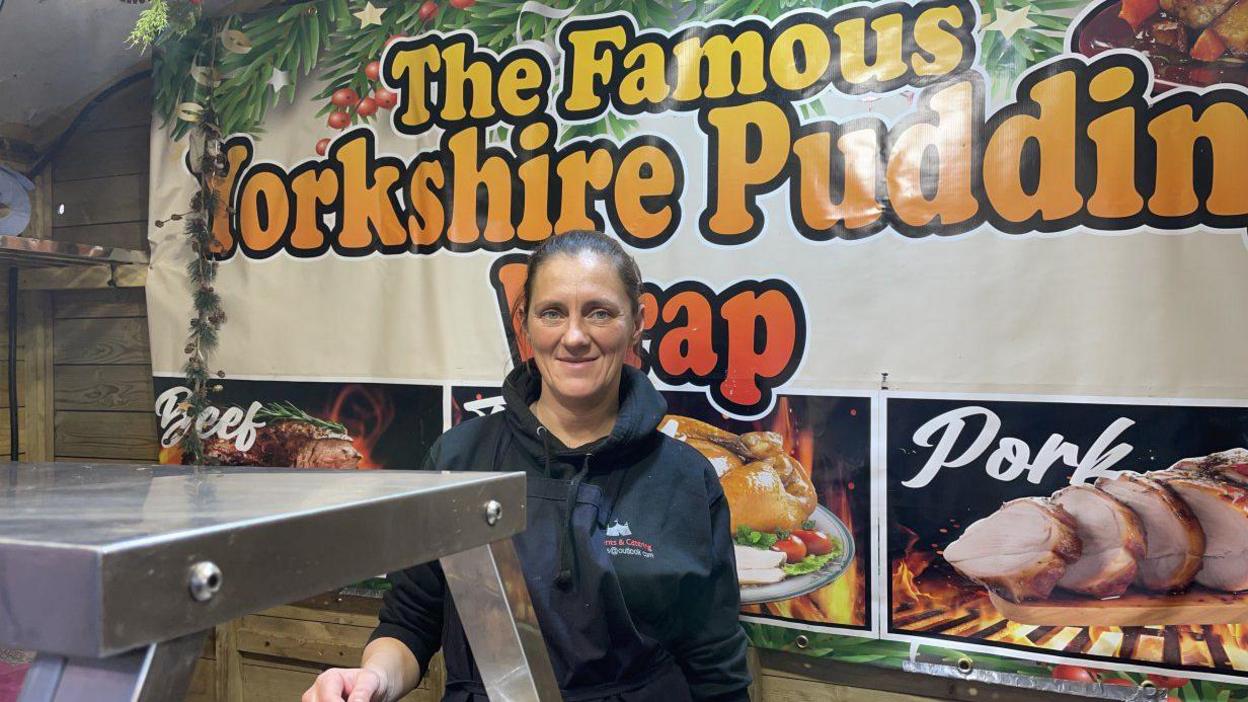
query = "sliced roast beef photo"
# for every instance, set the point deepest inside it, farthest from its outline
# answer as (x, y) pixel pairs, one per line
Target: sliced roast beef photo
(1222, 509)
(1112, 538)
(288, 444)
(1173, 539)
(1020, 551)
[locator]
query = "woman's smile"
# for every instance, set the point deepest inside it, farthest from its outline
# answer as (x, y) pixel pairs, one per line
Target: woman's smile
(580, 325)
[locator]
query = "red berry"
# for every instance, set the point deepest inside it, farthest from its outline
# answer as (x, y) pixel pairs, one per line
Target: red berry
(344, 97)
(384, 98)
(339, 119)
(196, 2)
(366, 108)
(1168, 682)
(1073, 672)
(463, 4)
(322, 146)
(372, 70)
(428, 10)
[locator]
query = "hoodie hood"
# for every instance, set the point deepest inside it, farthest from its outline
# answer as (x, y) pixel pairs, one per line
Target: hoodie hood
(641, 410)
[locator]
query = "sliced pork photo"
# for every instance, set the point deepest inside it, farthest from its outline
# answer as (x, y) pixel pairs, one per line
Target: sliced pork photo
(1112, 538)
(1019, 552)
(1222, 509)
(1231, 466)
(1174, 542)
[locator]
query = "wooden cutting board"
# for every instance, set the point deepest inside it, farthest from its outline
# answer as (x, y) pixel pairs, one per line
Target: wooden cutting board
(1196, 606)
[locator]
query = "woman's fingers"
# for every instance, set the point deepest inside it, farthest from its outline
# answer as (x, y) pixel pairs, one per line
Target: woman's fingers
(365, 686)
(330, 686)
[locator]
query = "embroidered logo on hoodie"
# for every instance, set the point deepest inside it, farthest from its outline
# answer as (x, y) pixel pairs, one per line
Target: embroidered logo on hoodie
(620, 542)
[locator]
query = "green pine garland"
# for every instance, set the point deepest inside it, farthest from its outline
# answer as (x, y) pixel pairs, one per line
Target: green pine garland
(207, 163)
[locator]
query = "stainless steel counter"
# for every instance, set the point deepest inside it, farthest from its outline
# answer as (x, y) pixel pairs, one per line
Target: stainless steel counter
(97, 560)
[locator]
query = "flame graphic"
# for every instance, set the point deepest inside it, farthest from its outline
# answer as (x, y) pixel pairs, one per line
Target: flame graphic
(931, 600)
(366, 412)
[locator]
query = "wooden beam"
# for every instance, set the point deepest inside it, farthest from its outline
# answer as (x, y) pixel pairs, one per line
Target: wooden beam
(36, 380)
(103, 388)
(129, 435)
(92, 304)
(44, 135)
(84, 277)
(229, 682)
(102, 342)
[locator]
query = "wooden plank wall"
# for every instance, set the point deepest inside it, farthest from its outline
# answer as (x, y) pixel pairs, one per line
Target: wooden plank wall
(5, 443)
(102, 375)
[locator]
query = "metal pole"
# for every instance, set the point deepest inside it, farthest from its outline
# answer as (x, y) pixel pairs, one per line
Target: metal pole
(13, 447)
(501, 626)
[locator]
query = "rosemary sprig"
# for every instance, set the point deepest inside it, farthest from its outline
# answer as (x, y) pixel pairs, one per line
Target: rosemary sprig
(288, 412)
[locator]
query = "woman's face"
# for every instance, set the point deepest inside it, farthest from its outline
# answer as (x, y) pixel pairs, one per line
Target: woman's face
(580, 325)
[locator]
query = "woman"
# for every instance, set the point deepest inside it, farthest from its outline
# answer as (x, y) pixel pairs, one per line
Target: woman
(656, 621)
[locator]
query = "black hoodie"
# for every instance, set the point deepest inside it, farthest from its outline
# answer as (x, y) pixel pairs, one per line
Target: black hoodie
(627, 556)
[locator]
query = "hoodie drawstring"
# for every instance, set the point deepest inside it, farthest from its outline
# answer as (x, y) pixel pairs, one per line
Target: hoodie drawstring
(567, 552)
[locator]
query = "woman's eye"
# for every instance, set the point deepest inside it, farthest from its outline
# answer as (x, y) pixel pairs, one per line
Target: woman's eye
(549, 315)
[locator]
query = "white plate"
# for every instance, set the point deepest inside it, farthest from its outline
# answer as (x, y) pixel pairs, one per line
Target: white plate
(796, 585)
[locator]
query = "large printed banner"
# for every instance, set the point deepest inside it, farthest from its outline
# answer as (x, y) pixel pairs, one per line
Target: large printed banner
(961, 280)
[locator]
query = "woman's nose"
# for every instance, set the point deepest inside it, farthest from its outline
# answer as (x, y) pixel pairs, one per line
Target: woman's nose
(575, 336)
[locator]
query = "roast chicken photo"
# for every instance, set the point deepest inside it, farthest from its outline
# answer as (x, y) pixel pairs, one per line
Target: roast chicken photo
(771, 499)
(1155, 534)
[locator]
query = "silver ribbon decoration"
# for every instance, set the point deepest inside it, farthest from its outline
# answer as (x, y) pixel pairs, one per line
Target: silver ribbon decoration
(542, 10)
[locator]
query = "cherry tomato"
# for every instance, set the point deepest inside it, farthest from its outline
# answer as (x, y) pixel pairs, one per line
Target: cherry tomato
(367, 107)
(427, 10)
(344, 97)
(384, 98)
(339, 119)
(322, 146)
(1167, 682)
(1073, 673)
(372, 70)
(792, 548)
(817, 542)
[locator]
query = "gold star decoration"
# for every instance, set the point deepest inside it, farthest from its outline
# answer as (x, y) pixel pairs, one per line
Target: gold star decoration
(369, 15)
(1008, 22)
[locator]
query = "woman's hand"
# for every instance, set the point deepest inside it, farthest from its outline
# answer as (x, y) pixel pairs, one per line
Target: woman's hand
(349, 685)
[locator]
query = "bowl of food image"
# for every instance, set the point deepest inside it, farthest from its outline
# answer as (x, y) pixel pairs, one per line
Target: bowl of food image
(1188, 42)
(786, 543)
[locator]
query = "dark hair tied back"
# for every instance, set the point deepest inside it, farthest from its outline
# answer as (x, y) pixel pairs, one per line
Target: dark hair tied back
(576, 243)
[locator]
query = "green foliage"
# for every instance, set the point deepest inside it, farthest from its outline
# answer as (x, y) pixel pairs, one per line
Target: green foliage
(288, 412)
(1007, 58)
(176, 17)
